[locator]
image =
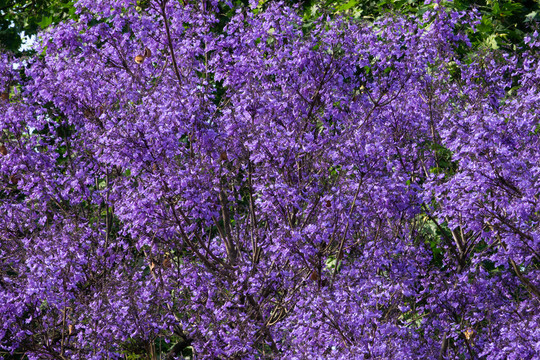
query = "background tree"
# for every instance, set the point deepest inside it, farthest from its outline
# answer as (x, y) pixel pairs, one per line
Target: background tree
(503, 23)
(19, 18)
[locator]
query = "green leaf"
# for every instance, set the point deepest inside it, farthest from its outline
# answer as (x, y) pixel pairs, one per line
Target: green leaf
(45, 21)
(347, 6)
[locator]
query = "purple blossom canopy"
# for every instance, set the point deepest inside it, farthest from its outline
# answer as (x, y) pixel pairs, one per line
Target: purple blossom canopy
(260, 186)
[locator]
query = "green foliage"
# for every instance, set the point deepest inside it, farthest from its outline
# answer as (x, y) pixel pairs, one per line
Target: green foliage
(504, 23)
(433, 236)
(444, 163)
(27, 17)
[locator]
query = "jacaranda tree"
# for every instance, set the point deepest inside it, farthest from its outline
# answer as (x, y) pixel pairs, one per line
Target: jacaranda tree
(227, 181)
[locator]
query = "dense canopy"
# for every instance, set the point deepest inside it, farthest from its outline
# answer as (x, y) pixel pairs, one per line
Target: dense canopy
(227, 181)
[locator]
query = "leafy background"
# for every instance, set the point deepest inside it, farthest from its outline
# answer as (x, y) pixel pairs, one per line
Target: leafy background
(503, 23)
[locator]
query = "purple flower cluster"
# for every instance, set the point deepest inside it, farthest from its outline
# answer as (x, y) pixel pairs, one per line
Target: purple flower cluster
(261, 186)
